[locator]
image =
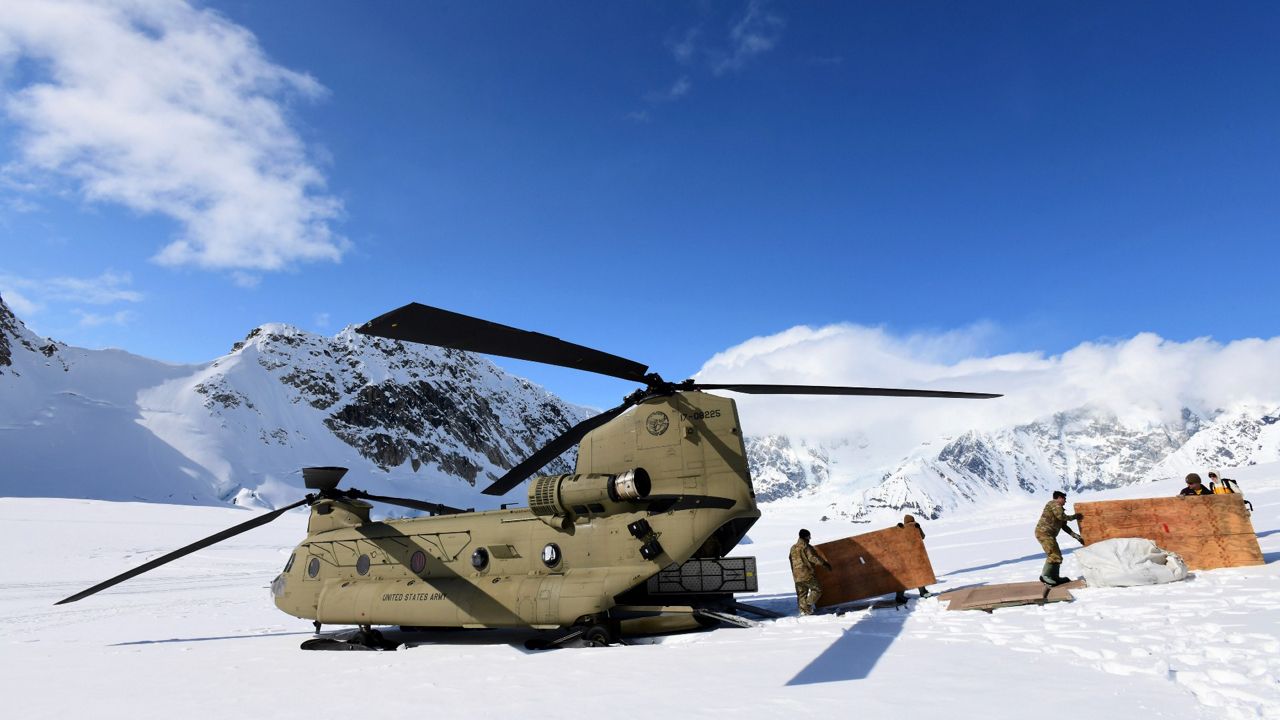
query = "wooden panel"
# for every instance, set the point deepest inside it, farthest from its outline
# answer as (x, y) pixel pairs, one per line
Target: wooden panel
(991, 597)
(874, 563)
(1208, 531)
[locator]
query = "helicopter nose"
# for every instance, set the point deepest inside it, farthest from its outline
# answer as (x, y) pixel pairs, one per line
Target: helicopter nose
(277, 585)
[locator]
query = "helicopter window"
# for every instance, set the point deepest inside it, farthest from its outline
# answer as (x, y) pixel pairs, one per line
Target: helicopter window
(418, 562)
(313, 567)
(551, 555)
(288, 564)
(480, 559)
(596, 508)
(362, 564)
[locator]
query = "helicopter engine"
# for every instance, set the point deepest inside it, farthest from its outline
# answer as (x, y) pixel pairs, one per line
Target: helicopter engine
(558, 500)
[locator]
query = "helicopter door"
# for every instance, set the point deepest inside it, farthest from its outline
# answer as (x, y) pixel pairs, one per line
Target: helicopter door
(540, 600)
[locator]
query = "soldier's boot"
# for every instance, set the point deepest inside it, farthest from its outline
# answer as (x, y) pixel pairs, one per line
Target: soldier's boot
(900, 598)
(924, 592)
(1049, 574)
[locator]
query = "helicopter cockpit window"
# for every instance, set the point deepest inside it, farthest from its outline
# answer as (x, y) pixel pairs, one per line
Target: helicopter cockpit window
(480, 559)
(313, 567)
(362, 564)
(289, 564)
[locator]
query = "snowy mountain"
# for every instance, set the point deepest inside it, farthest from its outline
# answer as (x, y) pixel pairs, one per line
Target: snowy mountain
(430, 422)
(1086, 449)
(407, 419)
(783, 468)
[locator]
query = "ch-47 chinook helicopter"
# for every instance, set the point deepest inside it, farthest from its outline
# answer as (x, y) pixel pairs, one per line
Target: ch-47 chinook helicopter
(661, 488)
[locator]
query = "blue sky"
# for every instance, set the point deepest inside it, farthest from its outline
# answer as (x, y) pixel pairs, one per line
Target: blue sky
(659, 180)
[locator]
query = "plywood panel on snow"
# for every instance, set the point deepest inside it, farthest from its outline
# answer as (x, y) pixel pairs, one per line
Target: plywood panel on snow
(874, 563)
(1208, 531)
(991, 597)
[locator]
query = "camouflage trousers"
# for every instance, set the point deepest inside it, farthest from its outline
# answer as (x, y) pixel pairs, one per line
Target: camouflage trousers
(807, 594)
(1051, 549)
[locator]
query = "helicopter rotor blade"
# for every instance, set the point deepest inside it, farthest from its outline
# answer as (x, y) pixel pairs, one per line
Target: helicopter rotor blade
(432, 326)
(187, 550)
(553, 449)
(423, 505)
(755, 389)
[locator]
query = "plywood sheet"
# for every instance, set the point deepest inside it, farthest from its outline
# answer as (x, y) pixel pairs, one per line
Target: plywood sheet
(1208, 531)
(874, 563)
(991, 597)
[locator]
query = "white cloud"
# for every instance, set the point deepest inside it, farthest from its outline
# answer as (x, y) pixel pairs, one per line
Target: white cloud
(678, 89)
(172, 110)
(685, 48)
(1143, 379)
(122, 317)
(18, 302)
(105, 289)
(755, 33)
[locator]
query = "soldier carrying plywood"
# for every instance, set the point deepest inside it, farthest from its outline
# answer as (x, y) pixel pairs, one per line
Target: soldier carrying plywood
(803, 559)
(1053, 520)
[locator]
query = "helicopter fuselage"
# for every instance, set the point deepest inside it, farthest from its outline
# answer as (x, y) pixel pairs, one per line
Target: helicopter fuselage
(564, 558)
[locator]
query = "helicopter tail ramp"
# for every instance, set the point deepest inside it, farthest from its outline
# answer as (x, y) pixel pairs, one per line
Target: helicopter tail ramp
(874, 563)
(1207, 531)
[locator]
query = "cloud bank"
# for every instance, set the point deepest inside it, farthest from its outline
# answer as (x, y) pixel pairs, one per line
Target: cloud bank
(172, 110)
(1143, 380)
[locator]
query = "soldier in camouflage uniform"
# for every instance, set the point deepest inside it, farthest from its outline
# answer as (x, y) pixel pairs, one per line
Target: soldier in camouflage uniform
(1053, 520)
(803, 559)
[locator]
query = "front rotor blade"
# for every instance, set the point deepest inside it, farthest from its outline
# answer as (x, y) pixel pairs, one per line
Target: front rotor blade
(840, 390)
(432, 326)
(423, 505)
(552, 450)
(187, 550)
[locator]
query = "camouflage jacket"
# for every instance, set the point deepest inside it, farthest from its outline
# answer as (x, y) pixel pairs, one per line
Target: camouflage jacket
(803, 560)
(1054, 520)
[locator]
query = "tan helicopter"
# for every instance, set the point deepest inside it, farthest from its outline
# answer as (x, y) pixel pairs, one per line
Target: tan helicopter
(634, 540)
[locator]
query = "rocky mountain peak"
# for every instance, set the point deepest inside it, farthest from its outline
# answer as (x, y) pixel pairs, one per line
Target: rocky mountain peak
(15, 337)
(407, 419)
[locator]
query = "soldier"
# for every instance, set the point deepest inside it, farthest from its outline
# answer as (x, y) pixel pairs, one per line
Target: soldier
(1052, 520)
(1195, 486)
(803, 558)
(901, 596)
(1226, 486)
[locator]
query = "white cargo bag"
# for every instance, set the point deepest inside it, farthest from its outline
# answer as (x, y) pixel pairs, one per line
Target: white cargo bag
(1122, 562)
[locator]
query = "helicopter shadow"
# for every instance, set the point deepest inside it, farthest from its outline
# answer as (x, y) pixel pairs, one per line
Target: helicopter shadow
(855, 653)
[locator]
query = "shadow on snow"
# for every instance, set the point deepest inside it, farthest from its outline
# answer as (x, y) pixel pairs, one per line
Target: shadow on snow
(855, 653)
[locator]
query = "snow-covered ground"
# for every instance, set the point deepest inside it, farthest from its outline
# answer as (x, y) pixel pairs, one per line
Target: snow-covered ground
(200, 637)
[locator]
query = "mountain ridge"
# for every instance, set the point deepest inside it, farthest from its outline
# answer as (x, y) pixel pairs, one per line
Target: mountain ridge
(406, 419)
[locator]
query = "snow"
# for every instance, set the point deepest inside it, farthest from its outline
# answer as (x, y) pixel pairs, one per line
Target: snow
(200, 636)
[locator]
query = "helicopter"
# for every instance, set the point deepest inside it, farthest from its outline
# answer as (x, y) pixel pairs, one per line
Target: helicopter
(661, 489)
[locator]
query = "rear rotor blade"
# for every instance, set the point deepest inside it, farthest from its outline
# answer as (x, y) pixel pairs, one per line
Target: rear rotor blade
(423, 505)
(187, 550)
(432, 326)
(755, 389)
(553, 449)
